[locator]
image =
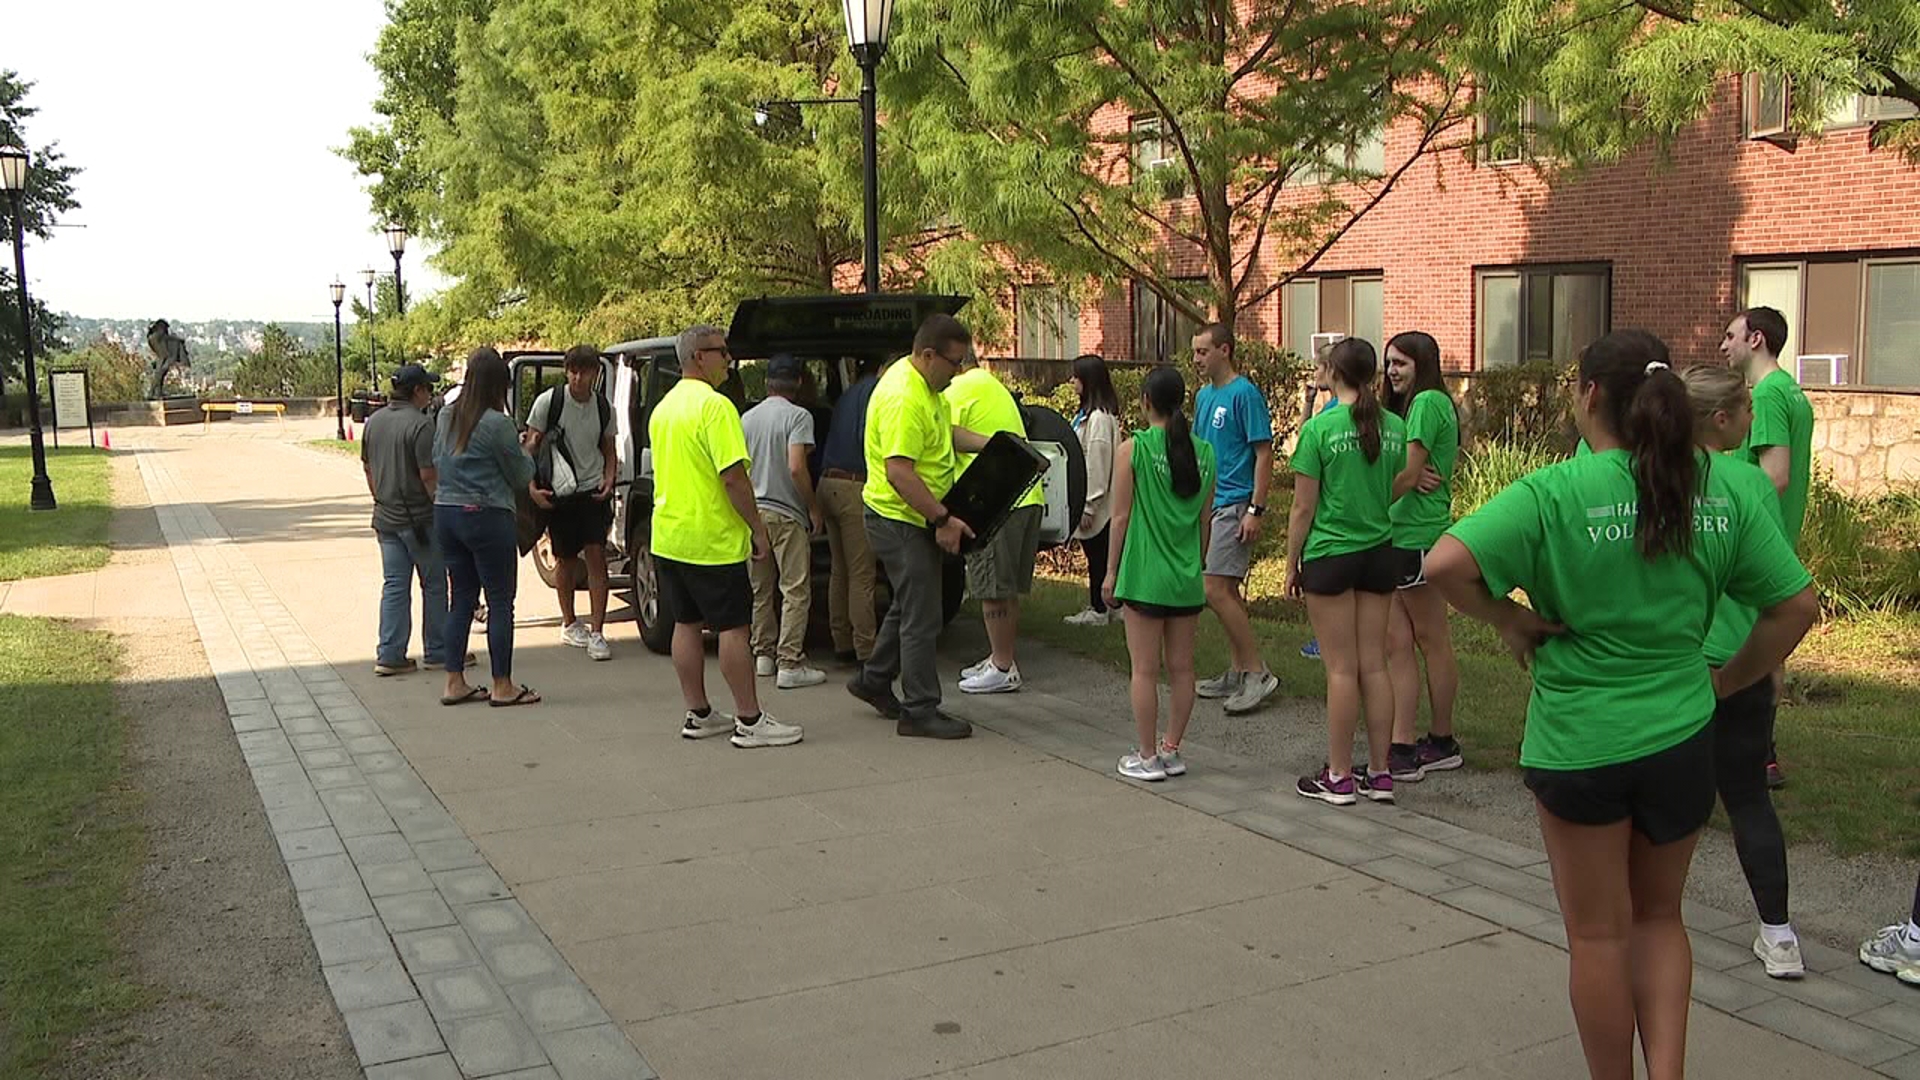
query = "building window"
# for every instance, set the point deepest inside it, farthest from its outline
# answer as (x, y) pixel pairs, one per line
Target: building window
(1764, 105)
(1849, 321)
(1161, 333)
(1366, 158)
(1350, 305)
(1049, 323)
(1150, 148)
(1507, 138)
(1768, 103)
(1533, 314)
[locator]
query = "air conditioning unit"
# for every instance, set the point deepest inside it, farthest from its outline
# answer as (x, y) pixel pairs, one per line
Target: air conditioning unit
(1320, 343)
(1821, 369)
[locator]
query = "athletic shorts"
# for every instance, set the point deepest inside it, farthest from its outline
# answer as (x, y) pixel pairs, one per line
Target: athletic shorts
(1376, 570)
(1161, 611)
(1411, 567)
(1002, 568)
(577, 522)
(720, 597)
(1668, 796)
(1226, 555)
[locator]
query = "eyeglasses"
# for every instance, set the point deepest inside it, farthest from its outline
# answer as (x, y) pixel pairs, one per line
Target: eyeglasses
(721, 349)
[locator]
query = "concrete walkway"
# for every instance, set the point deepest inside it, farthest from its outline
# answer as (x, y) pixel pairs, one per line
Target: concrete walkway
(546, 889)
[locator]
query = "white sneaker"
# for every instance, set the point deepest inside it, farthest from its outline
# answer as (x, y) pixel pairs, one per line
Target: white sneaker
(1255, 689)
(971, 670)
(1170, 761)
(992, 681)
(794, 678)
(597, 647)
(1892, 952)
(765, 732)
(575, 634)
(706, 727)
(1089, 617)
(764, 666)
(1225, 684)
(1135, 767)
(1782, 960)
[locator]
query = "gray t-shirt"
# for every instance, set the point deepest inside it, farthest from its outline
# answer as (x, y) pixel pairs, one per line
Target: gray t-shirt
(395, 445)
(580, 424)
(772, 426)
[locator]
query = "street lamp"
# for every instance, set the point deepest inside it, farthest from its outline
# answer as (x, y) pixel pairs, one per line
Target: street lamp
(397, 243)
(867, 24)
(373, 340)
(339, 291)
(13, 177)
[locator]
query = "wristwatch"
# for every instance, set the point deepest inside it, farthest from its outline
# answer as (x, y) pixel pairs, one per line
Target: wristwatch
(940, 522)
(1255, 509)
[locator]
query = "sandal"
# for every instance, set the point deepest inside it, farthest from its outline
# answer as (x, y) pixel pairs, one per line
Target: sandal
(474, 693)
(526, 696)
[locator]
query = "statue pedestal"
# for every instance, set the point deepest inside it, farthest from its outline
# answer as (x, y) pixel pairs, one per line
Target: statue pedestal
(175, 410)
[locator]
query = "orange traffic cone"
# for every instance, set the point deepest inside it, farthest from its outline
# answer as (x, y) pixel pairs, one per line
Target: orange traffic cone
(106, 439)
(349, 431)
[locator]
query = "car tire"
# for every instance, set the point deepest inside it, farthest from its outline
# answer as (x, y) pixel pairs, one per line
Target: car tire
(649, 606)
(548, 566)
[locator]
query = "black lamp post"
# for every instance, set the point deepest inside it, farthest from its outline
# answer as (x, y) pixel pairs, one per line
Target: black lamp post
(13, 177)
(867, 24)
(373, 340)
(397, 243)
(339, 292)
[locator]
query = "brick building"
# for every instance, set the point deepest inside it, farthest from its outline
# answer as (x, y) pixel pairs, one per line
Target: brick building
(1500, 266)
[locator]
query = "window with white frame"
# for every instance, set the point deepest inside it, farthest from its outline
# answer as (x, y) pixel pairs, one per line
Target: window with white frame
(1049, 323)
(1352, 305)
(1507, 138)
(1161, 332)
(1850, 320)
(1151, 150)
(1532, 314)
(1768, 103)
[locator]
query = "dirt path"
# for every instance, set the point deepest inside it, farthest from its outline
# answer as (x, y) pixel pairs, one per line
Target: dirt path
(212, 930)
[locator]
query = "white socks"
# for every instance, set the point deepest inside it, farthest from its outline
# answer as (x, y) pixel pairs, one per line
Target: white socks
(1778, 935)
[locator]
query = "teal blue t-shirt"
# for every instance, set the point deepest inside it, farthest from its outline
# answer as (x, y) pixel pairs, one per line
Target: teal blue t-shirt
(1233, 419)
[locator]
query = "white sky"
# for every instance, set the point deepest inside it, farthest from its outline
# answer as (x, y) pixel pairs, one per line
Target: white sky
(204, 130)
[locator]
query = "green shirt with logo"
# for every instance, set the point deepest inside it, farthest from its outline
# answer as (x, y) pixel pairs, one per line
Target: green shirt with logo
(1782, 416)
(1420, 518)
(1356, 495)
(1160, 557)
(1628, 678)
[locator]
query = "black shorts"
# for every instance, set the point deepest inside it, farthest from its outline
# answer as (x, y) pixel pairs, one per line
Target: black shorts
(718, 597)
(1668, 795)
(1161, 611)
(1411, 567)
(1372, 571)
(578, 521)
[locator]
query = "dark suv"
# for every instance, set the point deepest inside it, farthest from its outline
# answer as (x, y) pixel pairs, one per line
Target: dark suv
(832, 334)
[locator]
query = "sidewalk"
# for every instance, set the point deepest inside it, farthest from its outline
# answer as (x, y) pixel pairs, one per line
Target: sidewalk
(551, 887)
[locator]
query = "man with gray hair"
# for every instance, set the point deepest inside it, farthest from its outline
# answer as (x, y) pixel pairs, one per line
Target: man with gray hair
(706, 526)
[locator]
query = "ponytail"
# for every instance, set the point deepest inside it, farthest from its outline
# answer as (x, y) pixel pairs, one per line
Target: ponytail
(1354, 365)
(1166, 394)
(1646, 405)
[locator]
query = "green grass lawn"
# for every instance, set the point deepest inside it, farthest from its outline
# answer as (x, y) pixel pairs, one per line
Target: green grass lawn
(68, 847)
(64, 541)
(349, 447)
(1849, 736)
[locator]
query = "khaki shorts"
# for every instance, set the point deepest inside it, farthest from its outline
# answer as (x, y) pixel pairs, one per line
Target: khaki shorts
(1003, 568)
(1226, 556)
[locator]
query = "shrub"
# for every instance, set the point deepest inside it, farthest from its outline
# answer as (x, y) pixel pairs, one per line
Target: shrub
(1490, 465)
(1527, 405)
(1864, 554)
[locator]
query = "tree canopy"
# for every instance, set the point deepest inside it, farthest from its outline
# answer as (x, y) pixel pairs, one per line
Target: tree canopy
(49, 194)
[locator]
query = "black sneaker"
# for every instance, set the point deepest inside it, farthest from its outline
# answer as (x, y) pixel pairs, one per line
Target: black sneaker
(883, 701)
(1403, 763)
(937, 726)
(1437, 754)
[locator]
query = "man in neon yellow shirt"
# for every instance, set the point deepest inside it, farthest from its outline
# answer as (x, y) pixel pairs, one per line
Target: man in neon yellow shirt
(911, 442)
(999, 572)
(706, 525)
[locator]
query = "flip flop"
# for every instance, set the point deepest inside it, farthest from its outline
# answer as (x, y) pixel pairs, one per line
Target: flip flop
(527, 696)
(474, 693)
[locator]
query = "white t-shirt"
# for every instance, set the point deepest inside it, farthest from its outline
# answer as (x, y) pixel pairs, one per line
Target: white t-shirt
(580, 426)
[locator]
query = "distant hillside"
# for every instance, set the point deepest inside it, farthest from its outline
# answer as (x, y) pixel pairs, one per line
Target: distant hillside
(233, 337)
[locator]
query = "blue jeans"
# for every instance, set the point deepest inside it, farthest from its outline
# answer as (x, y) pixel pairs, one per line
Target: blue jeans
(402, 556)
(482, 551)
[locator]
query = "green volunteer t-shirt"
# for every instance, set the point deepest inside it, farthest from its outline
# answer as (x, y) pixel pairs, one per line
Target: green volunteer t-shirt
(1733, 620)
(695, 435)
(980, 403)
(1160, 556)
(1628, 678)
(905, 418)
(1356, 495)
(1782, 416)
(1421, 518)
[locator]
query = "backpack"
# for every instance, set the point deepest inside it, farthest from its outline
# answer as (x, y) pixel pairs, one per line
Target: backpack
(554, 463)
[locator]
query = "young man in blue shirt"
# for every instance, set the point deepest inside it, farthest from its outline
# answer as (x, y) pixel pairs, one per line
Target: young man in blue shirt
(1231, 415)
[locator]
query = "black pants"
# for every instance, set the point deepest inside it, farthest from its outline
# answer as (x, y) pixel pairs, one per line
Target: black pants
(1096, 548)
(1742, 738)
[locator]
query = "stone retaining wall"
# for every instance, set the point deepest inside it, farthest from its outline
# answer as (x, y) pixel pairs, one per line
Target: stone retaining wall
(1870, 440)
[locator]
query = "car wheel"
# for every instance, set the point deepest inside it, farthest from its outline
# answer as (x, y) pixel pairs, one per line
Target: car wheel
(649, 607)
(548, 565)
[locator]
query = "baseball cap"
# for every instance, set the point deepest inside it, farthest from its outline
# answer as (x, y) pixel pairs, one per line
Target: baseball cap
(785, 365)
(412, 375)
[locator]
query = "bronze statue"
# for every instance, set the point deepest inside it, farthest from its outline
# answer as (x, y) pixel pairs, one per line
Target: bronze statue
(169, 354)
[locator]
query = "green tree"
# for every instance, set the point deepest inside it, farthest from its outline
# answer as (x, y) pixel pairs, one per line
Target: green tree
(49, 194)
(115, 373)
(283, 367)
(1206, 149)
(1619, 75)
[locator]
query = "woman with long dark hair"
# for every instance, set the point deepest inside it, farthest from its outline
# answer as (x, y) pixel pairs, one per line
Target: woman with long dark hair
(1340, 557)
(1624, 555)
(1422, 511)
(1097, 423)
(482, 465)
(1162, 495)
